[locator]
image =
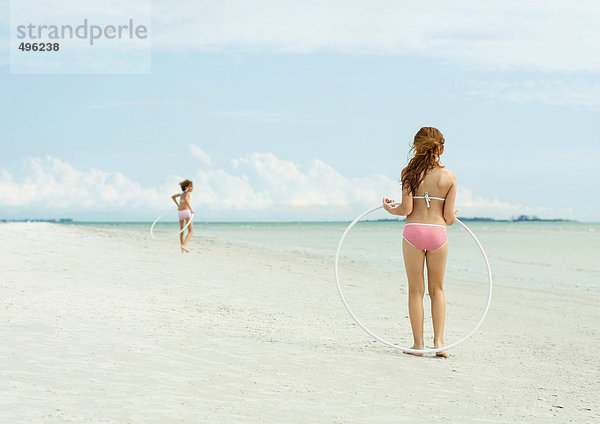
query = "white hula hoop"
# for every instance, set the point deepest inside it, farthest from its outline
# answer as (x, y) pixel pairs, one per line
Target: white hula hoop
(385, 342)
(170, 236)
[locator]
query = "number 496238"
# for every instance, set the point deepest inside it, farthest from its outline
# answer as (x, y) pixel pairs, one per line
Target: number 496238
(39, 47)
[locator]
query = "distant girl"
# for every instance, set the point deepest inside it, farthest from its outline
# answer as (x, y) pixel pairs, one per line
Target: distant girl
(428, 195)
(185, 212)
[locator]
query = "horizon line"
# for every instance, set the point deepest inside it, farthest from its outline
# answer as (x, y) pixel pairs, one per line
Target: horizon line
(476, 219)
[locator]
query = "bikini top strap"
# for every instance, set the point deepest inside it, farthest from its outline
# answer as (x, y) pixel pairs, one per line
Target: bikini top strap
(428, 198)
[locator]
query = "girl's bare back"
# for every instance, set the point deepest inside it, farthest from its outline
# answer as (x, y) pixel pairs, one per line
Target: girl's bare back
(438, 182)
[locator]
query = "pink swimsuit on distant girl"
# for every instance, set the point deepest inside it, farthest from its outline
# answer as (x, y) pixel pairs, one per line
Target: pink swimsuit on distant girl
(184, 214)
(427, 237)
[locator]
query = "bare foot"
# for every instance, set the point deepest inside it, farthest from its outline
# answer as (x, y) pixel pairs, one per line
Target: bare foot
(413, 353)
(184, 249)
(443, 353)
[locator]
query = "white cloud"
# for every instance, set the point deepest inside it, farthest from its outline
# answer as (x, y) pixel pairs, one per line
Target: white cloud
(550, 35)
(267, 116)
(198, 153)
(255, 115)
(259, 185)
(262, 116)
(467, 204)
(581, 92)
(312, 186)
(53, 184)
(136, 103)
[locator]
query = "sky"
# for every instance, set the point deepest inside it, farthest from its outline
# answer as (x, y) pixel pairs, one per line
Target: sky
(305, 110)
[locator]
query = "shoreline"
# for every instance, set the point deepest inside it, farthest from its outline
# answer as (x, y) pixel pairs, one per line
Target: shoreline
(497, 259)
(322, 252)
(463, 218)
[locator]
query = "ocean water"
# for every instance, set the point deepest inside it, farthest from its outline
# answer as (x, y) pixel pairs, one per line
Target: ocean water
(554, 256)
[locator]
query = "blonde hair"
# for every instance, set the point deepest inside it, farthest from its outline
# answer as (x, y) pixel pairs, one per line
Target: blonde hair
(427, 147)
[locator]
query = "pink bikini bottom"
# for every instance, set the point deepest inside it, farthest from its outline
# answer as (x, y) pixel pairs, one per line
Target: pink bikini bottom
(428, 237)
(184, 214)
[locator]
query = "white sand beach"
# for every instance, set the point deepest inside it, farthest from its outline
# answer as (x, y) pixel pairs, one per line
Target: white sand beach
(109, 326)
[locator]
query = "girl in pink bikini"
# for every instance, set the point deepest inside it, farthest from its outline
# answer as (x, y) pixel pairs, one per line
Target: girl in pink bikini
(185, 212)
(428, 196)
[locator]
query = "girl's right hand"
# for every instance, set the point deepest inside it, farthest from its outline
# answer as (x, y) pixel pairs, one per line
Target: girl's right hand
(386, 203)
